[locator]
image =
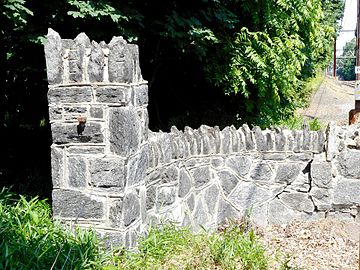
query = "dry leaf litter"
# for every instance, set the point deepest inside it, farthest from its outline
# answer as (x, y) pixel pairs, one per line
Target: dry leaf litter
(315, 245)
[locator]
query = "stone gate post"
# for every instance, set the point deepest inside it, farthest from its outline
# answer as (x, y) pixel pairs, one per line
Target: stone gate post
(99, 123)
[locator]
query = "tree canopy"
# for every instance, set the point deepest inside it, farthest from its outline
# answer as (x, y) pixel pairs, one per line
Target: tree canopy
(215, 62)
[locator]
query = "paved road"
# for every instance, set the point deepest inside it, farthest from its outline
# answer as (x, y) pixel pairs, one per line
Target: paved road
(332, 102)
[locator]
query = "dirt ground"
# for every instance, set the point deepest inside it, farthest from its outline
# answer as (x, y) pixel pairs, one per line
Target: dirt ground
(326, 244)
(332, 102)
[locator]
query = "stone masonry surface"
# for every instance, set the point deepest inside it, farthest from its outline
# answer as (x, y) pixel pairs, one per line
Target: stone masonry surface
(120, 177)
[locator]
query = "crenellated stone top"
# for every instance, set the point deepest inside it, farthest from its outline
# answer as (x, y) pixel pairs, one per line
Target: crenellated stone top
(206, 140)
(81, 61)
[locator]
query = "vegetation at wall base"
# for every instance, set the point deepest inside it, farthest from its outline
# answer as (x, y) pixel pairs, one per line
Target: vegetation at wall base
(30, 239)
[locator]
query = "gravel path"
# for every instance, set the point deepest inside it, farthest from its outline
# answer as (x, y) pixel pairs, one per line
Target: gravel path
(332, 102)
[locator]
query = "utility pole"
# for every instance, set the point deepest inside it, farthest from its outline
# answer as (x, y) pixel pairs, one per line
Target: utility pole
(354, 115)
(334, 66)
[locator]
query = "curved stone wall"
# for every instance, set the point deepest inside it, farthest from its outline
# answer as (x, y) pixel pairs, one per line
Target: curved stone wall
(111, 172)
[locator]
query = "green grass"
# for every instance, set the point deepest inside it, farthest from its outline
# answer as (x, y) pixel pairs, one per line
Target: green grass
(30, 239)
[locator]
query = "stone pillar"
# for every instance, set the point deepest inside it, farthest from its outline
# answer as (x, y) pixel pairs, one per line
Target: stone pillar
(99, 122)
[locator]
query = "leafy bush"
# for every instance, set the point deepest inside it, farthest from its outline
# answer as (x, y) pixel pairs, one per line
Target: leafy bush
(29, 239)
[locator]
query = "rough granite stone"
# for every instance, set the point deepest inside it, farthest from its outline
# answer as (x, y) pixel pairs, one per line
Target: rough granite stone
(347, 192)
(96, 63)
(96, 112)
(321, 174)
(191, 202)
(226, 211)
(249, 141)
(140, 95)
(131, 208)
(280, 140)
(278, 213)
(260, 139)
(226, 146)
(247, 195)
(55, 113)
(136, 168)
(67, 133)
(113, 94)
(239, 164)
(115, 213)
(262, 172)
(124, 128)
(57, 166)
(287, 173)
(77, 172)
(170, 174)
(121, 64)
(211, 198)
(228, 181)
(75, 94)
(348, 164)
(200, 215)
(165, 196)
(201, 176)
(150, 197)
(74, 204)
(297, 201)
(107, 172)
(185, 183)
(54, 66)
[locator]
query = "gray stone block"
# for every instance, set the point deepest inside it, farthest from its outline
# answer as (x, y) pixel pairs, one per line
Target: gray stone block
(185, 183)
(55, 113)
(76, 58)
(75, 94)
(287, 173)
(239, 164)
(217, 137)
(228, 181)
(150, 197)
(115, 213)
(297, 135)
(113, 94)
(74, 204)
(85, 150)
(278, 213)
(211, 197)
(165, 196)
(67, 133)
(191, 202)
(217, 162)
(321, 174)
(235, 139)
(249, 140)
(306, 143)
(121, 64)
(260, 139)
(140, 95)
(297, 201)
(107, 172)
(96, 112)
(136, 168)
(201, 176)
(131, 208)
(347, 192)
(53, 51)
(280, 140)
(262, 172)
(57, 166)
(226, 211)
(170, 174)
(77, 172)
(96, 63)
(226, 146)
(322, 198)
(200, 218)
(247, 195)
(348, 164)
(124, 128)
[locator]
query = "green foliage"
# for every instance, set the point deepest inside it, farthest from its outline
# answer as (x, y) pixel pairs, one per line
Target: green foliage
(297, 123)
(346, 67)
(29, 239)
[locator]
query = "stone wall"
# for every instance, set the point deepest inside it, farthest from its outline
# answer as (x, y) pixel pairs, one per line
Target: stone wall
(120, 177)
